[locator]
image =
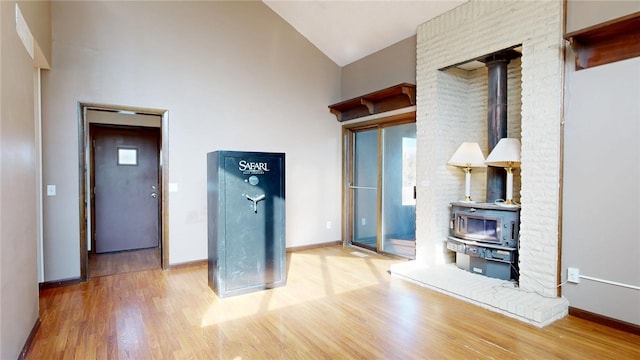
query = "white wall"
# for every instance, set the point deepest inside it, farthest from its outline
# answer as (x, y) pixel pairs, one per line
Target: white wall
(601, 181)
(37, 13)
(18, 266)
(385, 68)
(582, 14)
(233, 76)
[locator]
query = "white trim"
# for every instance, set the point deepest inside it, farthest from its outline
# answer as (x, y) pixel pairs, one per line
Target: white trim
(37, 80)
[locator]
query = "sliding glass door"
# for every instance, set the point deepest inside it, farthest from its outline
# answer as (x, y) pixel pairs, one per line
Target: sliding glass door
(398, 190)
(364, 189)
(380, 163)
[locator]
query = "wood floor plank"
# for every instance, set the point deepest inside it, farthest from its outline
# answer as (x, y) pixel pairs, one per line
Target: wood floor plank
(123, 261)
(336, 305)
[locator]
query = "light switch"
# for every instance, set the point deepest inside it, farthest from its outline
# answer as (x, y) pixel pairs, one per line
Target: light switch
(173, 187)
(51, 190)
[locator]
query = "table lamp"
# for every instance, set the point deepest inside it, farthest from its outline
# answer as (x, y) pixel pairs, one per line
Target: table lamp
(506, 154)
(468, 156)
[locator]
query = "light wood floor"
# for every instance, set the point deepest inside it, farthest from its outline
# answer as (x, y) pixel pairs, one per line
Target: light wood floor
(337, 304)
(123, 262)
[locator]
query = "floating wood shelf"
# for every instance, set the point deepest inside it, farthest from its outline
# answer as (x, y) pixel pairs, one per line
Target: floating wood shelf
(392, 98)
(608, 42)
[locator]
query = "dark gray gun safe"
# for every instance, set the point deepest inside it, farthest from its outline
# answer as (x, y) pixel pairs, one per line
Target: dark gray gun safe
(246, 221)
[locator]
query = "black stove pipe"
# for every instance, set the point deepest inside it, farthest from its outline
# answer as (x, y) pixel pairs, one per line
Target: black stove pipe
(496, 122)
(497, 116)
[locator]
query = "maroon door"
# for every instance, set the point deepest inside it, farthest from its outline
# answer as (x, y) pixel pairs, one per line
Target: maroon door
(126, 192)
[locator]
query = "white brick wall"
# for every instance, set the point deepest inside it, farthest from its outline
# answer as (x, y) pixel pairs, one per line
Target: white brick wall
(452, 107)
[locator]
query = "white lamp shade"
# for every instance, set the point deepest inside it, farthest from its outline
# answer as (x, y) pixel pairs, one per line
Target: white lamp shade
(468, 155)
(506, 153)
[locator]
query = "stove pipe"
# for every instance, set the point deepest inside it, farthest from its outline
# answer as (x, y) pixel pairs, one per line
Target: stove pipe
(497, 117)
(496, 122)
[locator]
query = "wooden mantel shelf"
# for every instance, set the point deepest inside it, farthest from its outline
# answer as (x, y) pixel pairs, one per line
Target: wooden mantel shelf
(605, 43)
(392, 98)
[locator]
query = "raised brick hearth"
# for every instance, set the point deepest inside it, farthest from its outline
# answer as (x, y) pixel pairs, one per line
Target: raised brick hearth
(452, 108)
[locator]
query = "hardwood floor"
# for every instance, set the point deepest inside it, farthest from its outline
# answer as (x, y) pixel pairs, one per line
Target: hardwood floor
(123, 262)
(339, 303)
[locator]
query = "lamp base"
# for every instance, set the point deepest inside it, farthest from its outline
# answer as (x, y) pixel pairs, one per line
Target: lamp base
(508, 203)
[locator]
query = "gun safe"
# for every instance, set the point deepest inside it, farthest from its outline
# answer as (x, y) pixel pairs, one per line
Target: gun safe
(246, 221)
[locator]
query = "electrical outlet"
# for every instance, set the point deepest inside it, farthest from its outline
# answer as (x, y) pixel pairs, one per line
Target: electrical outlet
(573, 275)
(328, 224)
(363, 221)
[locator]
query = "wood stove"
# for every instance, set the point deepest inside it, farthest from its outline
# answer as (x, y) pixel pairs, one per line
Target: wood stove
(485, 238)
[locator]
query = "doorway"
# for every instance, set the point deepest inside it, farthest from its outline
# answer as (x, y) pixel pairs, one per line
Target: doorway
(123, 223)
(125, 202)
(380, 179)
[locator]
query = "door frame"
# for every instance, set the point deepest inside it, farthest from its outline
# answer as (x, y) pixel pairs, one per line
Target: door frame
(84, 164)
(347, 170)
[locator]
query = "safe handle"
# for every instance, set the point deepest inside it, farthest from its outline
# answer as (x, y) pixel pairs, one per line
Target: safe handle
(255, 201)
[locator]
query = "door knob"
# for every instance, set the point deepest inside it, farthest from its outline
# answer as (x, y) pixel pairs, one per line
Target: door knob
(154, 195)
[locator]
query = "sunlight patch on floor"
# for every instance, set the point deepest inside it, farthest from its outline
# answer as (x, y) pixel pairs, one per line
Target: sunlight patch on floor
(324, 276)
(358, 254)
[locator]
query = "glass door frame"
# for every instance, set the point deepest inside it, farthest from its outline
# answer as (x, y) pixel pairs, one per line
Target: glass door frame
(348, 131)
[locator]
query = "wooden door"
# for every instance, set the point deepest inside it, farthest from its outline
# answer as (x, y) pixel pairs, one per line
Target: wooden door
(126, 188)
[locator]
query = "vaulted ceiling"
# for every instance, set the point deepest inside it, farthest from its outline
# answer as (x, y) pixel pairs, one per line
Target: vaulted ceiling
(347, 31)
